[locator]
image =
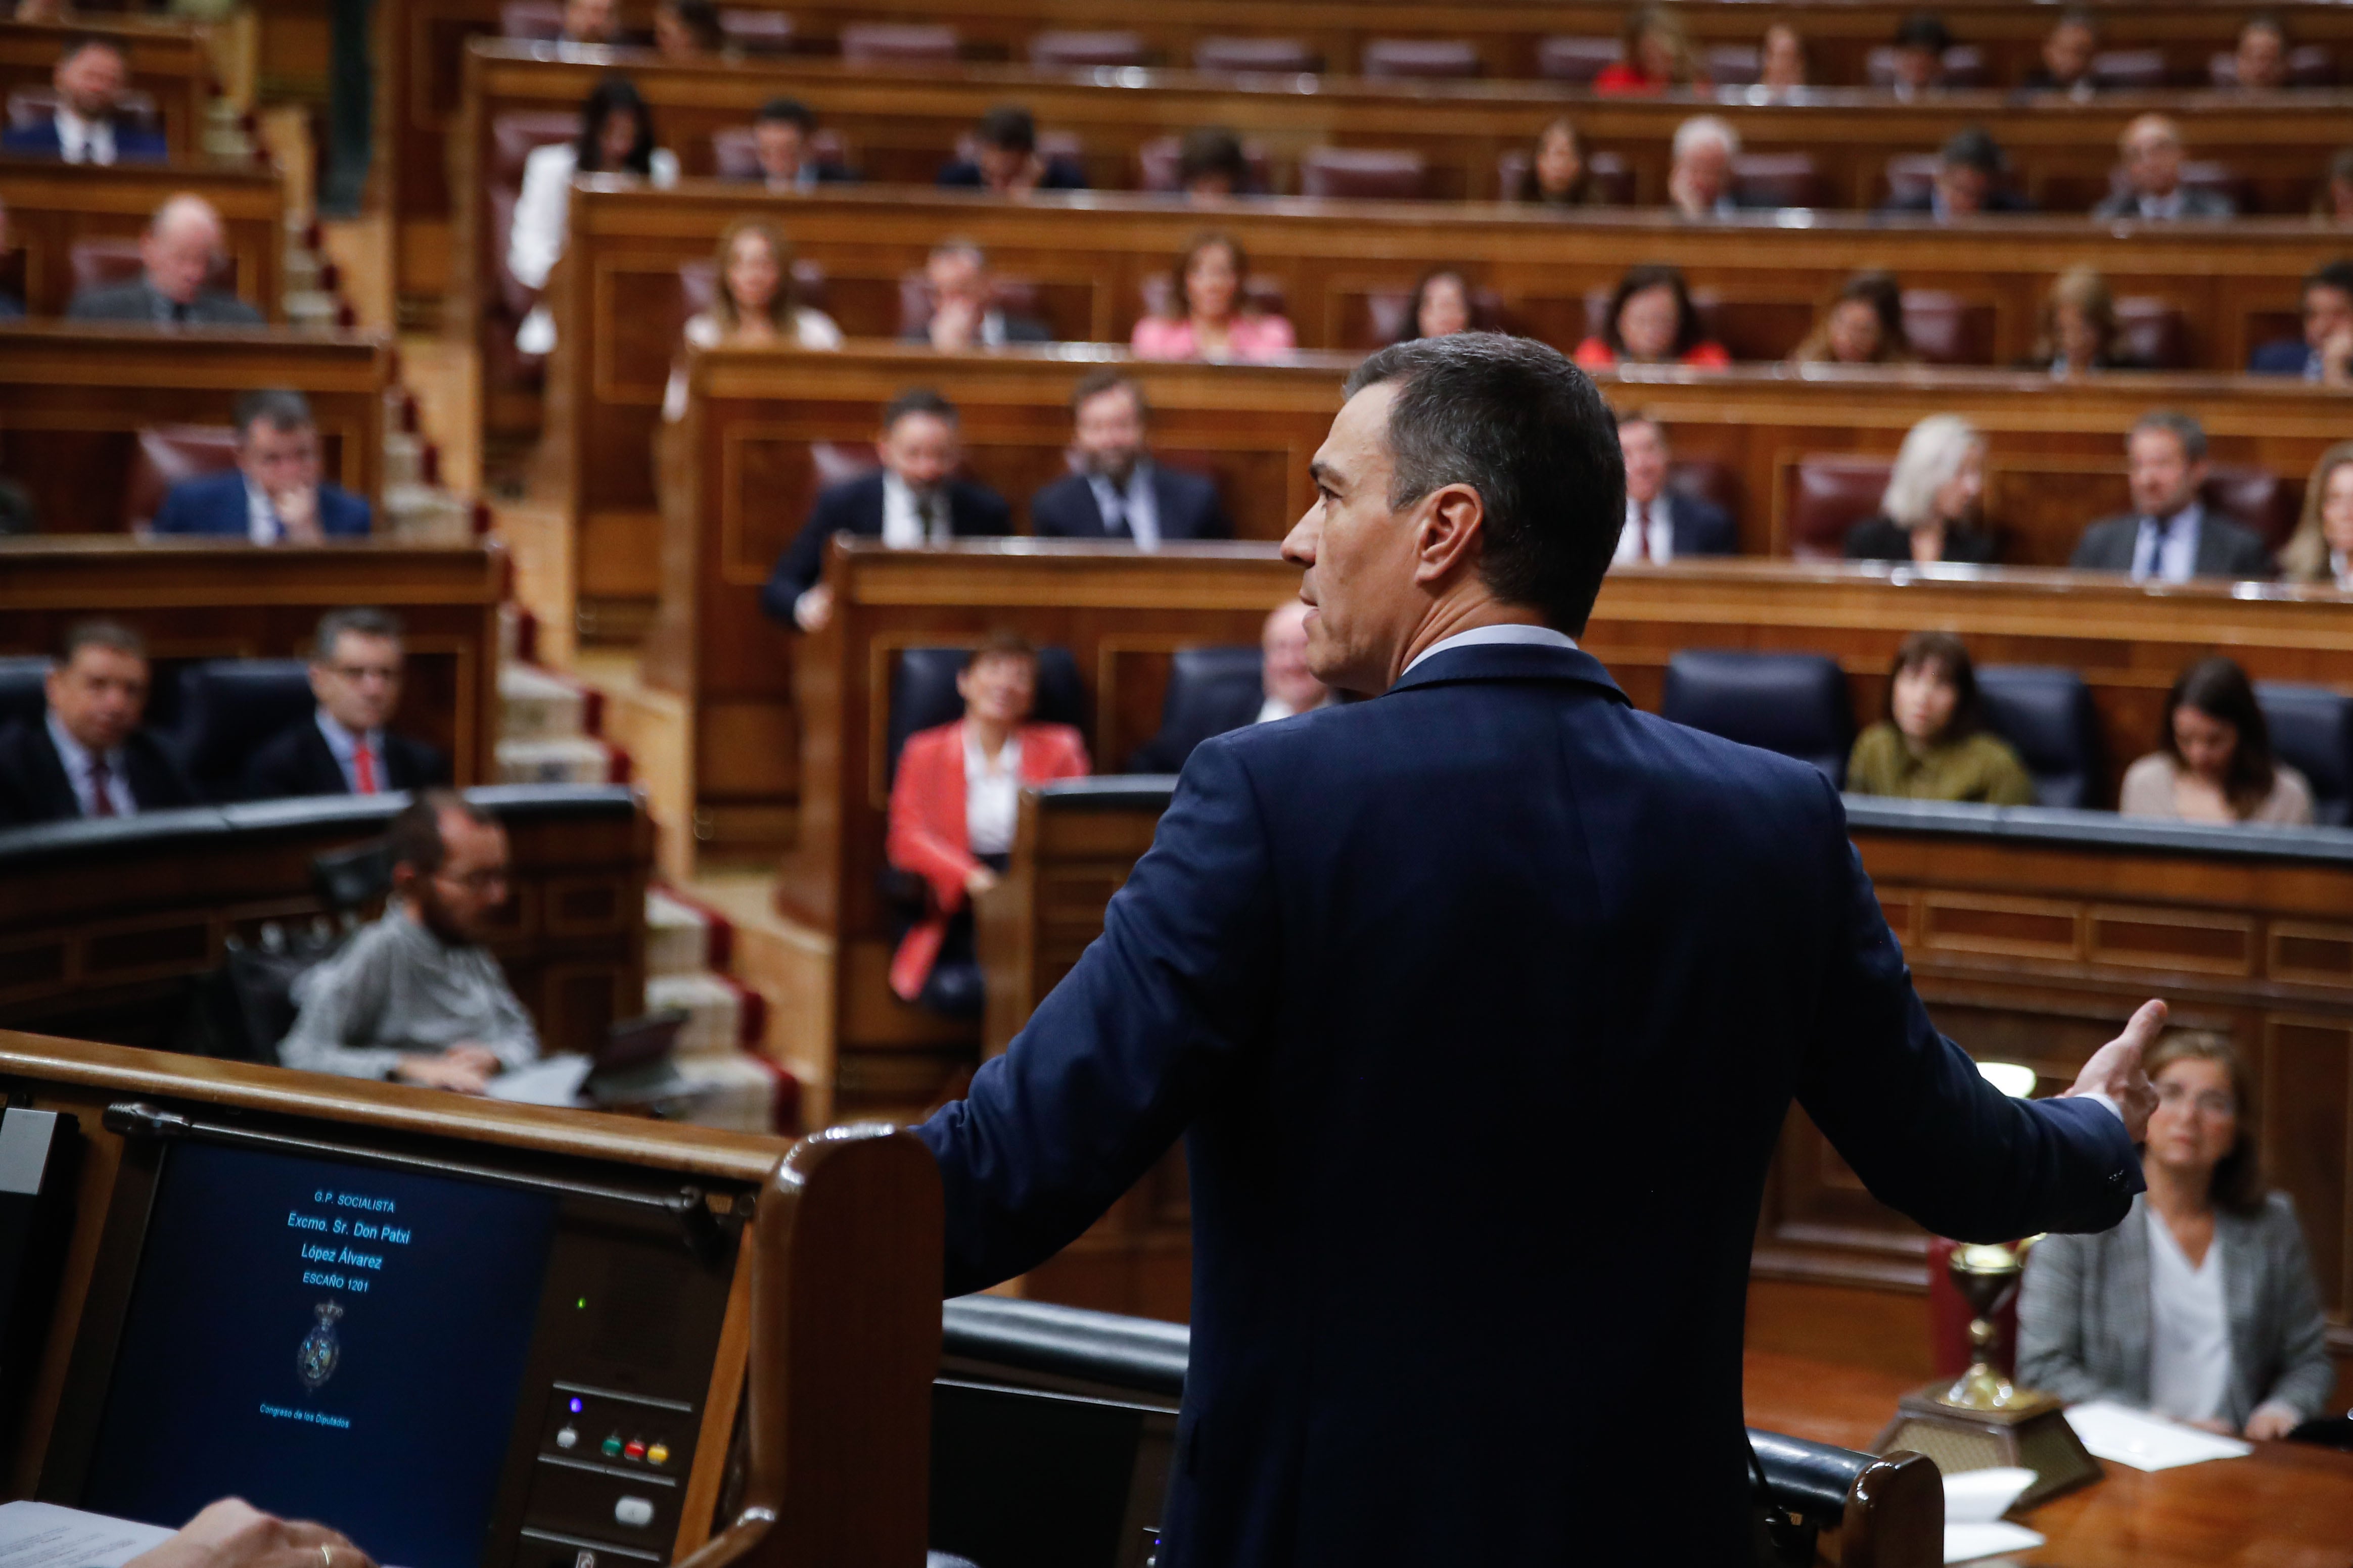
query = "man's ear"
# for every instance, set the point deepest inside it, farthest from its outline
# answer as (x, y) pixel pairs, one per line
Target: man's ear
(1451, 535)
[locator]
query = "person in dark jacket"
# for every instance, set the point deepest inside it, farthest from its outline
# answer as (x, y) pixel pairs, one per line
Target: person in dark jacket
(1118, 492)
(275, 495)
(2171, 534)
(1663, 523)
(1005, 159)
(913, 499)
(783, 135)
(89, 126)
(1971, 171)
(179, 250)
(88, 757)
(2324, 353)
(345, 746)
(1932, 508)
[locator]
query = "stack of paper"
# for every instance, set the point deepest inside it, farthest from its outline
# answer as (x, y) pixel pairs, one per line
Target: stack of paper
(41, 1535)
(1975, 1502)
(2147, 1442)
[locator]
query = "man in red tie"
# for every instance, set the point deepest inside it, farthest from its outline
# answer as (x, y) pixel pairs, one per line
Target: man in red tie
(88, 756)
(345, 748)
(1664, 525)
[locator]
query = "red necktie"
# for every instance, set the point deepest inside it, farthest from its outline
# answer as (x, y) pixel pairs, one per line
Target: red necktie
(102, 794)
(363, 767)
(1642, 532)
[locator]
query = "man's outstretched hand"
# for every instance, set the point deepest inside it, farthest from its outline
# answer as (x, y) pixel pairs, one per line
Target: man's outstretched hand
(2114, 1070)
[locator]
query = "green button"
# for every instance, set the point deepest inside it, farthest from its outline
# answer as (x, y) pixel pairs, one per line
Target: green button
(613, 1445)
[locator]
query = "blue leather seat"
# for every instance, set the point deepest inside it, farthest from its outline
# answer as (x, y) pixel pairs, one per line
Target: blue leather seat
(924, 693)
(228, 707)
(1210, 691)
(1793, 703)
(2046, 713)
(24, 696)
(2312, 731)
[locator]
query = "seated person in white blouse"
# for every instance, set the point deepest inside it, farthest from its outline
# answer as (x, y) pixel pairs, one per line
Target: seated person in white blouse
(2201, 1305)
(2214, 761)
(953, 810)
(756, 303)
(617, 137)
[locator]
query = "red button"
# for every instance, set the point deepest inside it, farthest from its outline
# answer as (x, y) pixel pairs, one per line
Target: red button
(636, 1448)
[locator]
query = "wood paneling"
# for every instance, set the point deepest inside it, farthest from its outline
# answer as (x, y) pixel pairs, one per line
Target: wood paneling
(52, 205)
(207, 598)
(169, 61)
(74, 397)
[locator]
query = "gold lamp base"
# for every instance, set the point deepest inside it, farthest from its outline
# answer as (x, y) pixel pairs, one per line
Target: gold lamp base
(2030, 1432)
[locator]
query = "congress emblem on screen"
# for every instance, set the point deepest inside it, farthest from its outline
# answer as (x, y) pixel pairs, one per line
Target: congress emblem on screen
(321, 1352)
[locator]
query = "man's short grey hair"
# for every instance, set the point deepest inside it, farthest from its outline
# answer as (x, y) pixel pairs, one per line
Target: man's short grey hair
(357, 620)
(1701, 129)
(2184, 429)
(1931, 454)
(185, 206)
(957, 246)
(275, 407)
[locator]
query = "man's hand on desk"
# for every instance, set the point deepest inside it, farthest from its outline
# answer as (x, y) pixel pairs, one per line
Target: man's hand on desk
(232, 1533)
(467, 1069)
(2114, 1071)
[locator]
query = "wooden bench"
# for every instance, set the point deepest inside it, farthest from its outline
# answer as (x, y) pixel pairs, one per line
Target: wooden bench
(106, 925)
(52, 206)
(74, 397)
(2030, 935)
(204, 598)
(171, 62)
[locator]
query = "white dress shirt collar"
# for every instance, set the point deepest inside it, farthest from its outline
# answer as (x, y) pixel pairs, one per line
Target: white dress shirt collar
(1514, 633)
(1137, 507)
(345, 745)
(83, 141)
(78, 758)
(903, 527)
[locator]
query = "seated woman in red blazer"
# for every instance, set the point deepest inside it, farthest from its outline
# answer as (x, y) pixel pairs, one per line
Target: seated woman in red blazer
(952, 809)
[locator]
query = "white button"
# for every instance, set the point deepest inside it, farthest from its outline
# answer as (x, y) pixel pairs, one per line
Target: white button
(568, 1437)
(633, 1510)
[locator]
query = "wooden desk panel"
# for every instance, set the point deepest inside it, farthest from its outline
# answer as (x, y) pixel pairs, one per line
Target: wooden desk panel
(202, 598)
(52, 205)
(2286, 1502)
(74, 397)
(169, 61)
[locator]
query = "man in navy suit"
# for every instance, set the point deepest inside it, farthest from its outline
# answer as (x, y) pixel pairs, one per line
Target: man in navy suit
(88, 756)
(89, 126)
(1480, 1006)
(274, 495)
(1119, 492)
(2324, 353)
(346, 747)
(913, 499)
(1664, 525)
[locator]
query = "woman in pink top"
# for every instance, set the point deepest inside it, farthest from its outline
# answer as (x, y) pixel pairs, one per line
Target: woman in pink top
(1218, 324)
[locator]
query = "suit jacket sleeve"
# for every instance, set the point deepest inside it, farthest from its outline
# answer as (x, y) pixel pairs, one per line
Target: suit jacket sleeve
(1213, 522)
(919, 837)
(1054, 512)
(175, 515)
(2051, 1354)
(2307, 1375)
(2091, 551)
(1159, 1010)
(798, 568)
(1909, 1112)
(990, 517)
(274, 772)
(1712, 529)
(2249, 557)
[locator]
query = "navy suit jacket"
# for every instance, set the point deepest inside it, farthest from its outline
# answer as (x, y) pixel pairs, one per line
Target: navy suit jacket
(2281, 356)
(297, 760)
(133, 143)
(855, 507)
(1479, 1006)
(34, 786)
(215, 504)
(1702, 527)
(1188, 506)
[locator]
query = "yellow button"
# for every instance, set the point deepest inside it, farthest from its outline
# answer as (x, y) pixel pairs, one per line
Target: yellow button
(659, 1454)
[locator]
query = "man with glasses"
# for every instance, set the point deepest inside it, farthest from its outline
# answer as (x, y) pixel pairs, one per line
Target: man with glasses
(344, 748)
(415, 997)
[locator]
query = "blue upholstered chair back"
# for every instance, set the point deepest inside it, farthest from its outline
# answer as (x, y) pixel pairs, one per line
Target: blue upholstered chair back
(1793, 703)
(924, 693)
(2046, 713)
(1210, 691)
(2312, 731)
(22, 694)
(229, 708)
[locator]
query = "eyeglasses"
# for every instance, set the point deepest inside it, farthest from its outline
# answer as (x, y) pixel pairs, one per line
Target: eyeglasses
(2211, 1102)
(481, 881)
(364, 671)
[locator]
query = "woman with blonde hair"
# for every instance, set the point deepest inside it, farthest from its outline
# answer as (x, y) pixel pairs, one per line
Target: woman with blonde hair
(1657, 56)
(2079, 331)
(756, 302)
(2321, 549)
(1930, 510)
(2201, 1305)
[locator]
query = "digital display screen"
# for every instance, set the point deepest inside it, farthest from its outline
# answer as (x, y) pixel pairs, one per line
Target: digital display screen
(327, 1340)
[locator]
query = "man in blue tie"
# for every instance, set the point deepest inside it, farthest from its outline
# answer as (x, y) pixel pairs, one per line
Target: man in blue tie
(1481, 1006)
(1118, 491)
(275, 495)
(2172, 535)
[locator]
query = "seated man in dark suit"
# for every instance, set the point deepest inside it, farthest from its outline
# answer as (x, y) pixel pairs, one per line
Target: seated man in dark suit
(1968, 183)
(913, 499)
(179, 249)
(2170, 535)
(781, 135)
(1661, 523)
(88, 757)
(1004, 158)
(89, 126)
(1377, 952)
(1119, 492)
(2324, 353)
(344, 748)
(964, 311)
(274, 495)
(1286, 688)
(2152, 151)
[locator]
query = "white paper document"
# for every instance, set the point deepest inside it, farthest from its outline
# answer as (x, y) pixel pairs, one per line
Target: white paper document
(43, 1535)
(1975, 1502)
(2147, 1442)
(554, 1081)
